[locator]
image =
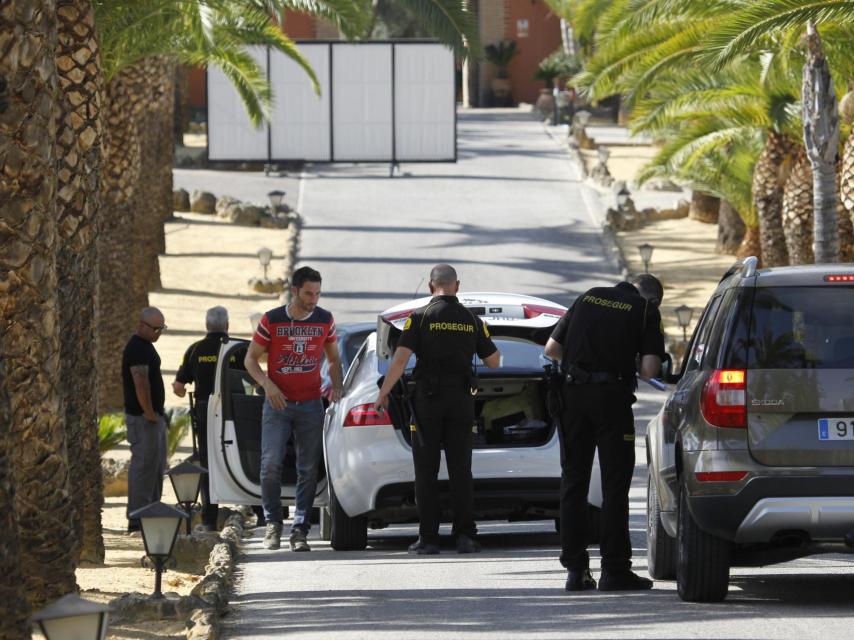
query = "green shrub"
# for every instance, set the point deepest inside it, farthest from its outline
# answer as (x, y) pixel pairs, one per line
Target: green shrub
(557, 65)
(111, 431)
(178, 421)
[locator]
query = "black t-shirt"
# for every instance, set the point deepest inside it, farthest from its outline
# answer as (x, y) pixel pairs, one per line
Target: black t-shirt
(200, 361)
(141, 352)
(444, 336)
(607, 328)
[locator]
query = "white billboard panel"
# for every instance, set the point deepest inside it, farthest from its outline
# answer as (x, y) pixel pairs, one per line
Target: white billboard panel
(230, 134)
(425, 103)
(361, 107)
(301, 119)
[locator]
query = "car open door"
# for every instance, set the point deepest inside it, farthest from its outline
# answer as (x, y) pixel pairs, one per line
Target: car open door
(234, 438)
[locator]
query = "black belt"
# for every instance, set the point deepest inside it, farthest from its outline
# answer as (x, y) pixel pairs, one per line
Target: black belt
(595, 377)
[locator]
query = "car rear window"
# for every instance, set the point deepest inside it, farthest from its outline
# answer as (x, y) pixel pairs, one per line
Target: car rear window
(801, 328)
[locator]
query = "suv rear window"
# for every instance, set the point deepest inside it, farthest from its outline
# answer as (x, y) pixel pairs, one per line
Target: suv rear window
(801, 328)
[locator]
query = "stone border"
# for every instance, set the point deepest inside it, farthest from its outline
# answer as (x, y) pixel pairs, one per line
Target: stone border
(208, 600)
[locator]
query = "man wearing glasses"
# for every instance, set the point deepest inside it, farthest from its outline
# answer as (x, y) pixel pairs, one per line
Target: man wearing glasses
(144, 397)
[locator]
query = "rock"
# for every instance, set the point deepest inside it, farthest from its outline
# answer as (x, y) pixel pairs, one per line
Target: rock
(270, 222)
(203, 202)
(683, 208)
(180, 200)
(265, 285)
(247, 215)
(223, 203)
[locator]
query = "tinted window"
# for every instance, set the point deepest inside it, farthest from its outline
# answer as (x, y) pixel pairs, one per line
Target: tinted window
(700, 346)
(802, 328)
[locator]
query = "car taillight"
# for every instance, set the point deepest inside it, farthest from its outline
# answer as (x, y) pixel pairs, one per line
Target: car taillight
(364, 415)
(534, 310)
(397, 315)
(724, 401)
(839, 278)
(720, 476)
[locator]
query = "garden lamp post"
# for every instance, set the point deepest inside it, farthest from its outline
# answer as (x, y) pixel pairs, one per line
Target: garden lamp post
(683, 317)
(73, 618)
(160, 524)
(622, 195)
(275, 198)
(264, 257)
(645, 251)
(186, 479)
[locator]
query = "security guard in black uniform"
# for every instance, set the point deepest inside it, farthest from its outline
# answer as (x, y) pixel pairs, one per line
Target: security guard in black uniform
(598, 342)
(444, 335)
(199, 368)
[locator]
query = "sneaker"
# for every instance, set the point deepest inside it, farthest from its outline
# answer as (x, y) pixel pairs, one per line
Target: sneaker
(623, 581)
(580, 580)
(466, 544)
(273, 535)
(422, 548)
(298, 541)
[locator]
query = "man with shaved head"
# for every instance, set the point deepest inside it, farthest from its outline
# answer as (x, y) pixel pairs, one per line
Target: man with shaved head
(444, 336)
(144, 398)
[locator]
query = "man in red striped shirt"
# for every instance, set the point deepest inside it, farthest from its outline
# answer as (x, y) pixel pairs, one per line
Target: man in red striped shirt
(294, 337)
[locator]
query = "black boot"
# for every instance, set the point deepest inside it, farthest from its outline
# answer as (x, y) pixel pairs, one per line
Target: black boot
(623, 581)
(466, 544)
(580, 580)
(422, 548)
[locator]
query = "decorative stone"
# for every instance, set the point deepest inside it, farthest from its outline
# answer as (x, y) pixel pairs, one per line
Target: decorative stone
(269, 222)
(180, 200)
(223, 203)
(247, 215)
(203, 202)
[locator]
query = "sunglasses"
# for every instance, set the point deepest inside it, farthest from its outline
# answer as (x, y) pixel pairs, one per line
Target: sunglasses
(157, 330)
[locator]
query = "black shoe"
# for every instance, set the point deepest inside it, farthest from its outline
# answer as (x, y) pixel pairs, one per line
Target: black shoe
(580, 580)
(623, 581)
(421, 548)
(467, 545)
(134, 526)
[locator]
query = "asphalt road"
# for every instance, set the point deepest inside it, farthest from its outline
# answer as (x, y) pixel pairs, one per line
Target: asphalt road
(511, 217)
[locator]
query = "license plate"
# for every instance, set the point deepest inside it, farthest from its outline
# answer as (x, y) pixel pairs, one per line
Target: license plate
(836, 429)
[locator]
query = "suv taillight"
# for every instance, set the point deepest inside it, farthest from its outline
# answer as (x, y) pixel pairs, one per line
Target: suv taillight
(364, 415)
(724, 402)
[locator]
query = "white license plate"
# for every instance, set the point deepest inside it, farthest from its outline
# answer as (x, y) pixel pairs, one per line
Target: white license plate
(836, 428)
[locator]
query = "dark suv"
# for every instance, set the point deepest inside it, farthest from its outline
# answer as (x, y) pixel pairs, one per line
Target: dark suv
(751, 459)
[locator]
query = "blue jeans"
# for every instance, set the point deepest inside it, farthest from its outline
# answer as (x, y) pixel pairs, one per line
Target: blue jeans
(305, 421)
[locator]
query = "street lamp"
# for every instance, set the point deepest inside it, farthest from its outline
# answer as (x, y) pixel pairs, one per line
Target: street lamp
(623, 197)
(264, 257)
(73, 618)
(645, 251)
(186, 479)
(275, 200)
(683, 317)
(582, 117)
(160, 524)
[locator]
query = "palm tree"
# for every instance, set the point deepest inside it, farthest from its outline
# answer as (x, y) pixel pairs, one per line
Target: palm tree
(78, 155)
(28, 307)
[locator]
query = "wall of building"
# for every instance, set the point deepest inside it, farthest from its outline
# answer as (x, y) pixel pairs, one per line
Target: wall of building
(536, 31)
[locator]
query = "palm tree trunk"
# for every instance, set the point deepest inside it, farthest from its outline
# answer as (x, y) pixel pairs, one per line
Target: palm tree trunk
(731, 229)
(797, 210)
(28, 306)
(769, 176)
(846, 178)
(821, 137)
(78, 153)
(119, 179)
(750, 244)
(13, 606)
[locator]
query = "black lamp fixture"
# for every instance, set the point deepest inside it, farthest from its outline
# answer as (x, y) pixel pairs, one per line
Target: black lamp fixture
(275, 198)
(264, 256)
(73, 618)
(186, 479)
(683, 317)
(160, 524)
(623, 197)
(645, 251)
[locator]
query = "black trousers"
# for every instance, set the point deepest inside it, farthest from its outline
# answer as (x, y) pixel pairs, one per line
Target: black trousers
(209, 511)
(596, 416)
(444, 420)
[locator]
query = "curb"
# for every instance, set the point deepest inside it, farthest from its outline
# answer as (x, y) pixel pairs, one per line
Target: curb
(208, 600)
(595, 207)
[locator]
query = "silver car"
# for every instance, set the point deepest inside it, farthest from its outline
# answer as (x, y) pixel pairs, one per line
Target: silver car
(751, 459)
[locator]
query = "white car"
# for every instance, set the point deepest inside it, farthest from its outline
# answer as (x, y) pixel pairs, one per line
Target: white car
(516, 458)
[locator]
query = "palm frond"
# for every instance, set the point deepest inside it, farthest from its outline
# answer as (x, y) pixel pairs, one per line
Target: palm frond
(449, 22)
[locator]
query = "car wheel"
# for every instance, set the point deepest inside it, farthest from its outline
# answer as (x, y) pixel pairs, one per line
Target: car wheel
(325, 524)
(347, 534)
(702, 571)
(660, 547)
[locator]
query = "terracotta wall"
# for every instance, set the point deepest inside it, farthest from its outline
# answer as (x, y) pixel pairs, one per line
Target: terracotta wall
(541, 38)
